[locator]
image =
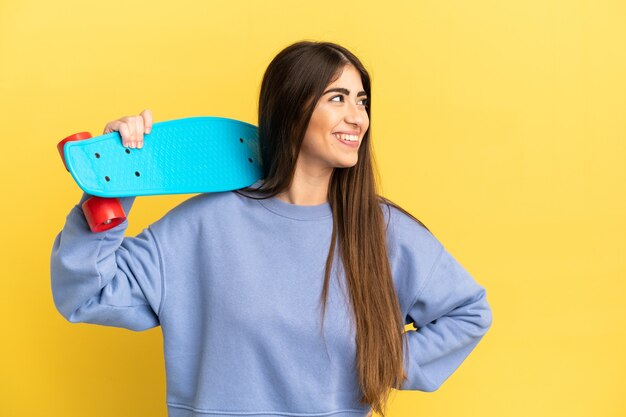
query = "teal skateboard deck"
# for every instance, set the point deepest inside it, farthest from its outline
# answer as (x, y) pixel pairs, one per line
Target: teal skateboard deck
(189, 155)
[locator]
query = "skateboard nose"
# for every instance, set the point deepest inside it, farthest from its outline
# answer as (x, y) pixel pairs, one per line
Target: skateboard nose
(71, 138)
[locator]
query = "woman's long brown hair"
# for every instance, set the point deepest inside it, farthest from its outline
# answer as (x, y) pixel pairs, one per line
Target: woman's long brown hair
(292, 85)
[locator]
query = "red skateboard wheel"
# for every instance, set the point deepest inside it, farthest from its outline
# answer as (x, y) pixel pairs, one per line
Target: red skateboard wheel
(70, 138)
(103, 213)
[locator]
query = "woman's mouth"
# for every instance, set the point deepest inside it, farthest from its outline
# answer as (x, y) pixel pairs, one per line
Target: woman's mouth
(349, 140)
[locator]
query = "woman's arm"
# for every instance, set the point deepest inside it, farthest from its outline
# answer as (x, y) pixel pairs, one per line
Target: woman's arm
(452, 315)
(105, 278)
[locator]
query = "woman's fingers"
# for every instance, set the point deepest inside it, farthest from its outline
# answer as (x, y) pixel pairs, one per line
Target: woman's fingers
(124, 130)
(138, 136)
(132, 128)
(144, 125)
(147, 120)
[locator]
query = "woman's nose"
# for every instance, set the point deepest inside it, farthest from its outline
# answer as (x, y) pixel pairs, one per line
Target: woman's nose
(354, 115)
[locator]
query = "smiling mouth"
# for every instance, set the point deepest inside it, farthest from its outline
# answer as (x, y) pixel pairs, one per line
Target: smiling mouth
(346, 138)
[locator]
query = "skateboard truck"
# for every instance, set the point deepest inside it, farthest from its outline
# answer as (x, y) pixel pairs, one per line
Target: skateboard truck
(101, 213)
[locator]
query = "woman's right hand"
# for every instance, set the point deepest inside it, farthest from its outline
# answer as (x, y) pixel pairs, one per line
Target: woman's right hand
(131, 128)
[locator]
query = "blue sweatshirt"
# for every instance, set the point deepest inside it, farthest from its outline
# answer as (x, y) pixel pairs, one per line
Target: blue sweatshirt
(235, 285)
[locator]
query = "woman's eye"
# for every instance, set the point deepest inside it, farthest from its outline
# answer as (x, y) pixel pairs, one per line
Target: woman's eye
(340, 98)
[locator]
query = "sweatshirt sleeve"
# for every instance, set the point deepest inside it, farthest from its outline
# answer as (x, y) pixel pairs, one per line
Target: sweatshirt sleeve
(105, 278)
(451, 315)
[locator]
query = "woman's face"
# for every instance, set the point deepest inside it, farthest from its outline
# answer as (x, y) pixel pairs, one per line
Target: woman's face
(337, 126)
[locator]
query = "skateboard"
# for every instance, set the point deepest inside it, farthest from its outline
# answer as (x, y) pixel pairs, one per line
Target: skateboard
(189, 155)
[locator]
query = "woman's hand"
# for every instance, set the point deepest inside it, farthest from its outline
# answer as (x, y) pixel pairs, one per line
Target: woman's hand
(131, 128)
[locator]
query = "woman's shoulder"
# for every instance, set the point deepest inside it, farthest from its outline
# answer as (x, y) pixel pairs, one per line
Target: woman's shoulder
(215, 204)
(405, 230)
(199, 208)
(205, 201)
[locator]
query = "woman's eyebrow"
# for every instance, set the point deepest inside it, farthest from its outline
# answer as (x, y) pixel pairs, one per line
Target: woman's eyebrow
(344, 91)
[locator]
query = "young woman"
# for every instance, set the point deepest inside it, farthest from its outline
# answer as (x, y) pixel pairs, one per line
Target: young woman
(289, 297)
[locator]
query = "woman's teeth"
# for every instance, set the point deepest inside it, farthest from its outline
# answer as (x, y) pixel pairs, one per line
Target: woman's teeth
(351, 138)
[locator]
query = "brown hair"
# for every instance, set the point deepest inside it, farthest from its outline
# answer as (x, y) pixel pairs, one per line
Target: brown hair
(292, 85)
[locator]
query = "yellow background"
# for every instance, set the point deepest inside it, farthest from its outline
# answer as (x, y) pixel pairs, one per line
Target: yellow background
(499, 124)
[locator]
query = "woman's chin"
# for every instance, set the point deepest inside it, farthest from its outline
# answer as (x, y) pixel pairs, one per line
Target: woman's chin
(348, 164)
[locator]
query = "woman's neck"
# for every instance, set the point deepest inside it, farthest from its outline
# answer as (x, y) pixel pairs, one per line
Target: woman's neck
(307, 189)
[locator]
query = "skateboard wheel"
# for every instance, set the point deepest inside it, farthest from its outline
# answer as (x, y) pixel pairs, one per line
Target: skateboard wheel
(103, 213)
(74, 137)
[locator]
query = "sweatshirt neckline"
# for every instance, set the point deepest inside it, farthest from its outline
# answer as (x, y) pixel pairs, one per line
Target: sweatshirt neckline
(295, 211)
